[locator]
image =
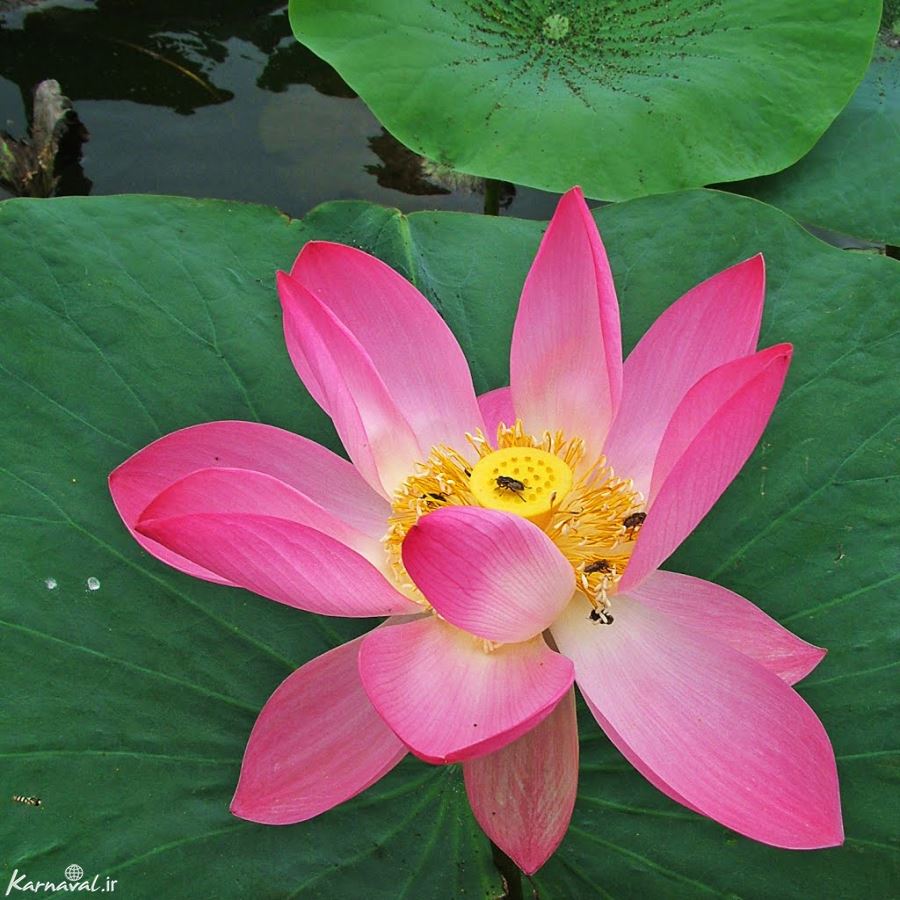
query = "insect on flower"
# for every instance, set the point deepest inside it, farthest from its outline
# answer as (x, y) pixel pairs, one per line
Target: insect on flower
(504, 482)
(480, 525)
(601, 616)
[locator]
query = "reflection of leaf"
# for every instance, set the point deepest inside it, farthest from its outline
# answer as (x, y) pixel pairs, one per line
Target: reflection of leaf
(30, 167)
(625, 97)
(126, 708)
(848, 181)
(142, 51)
(294, 64)
(159, 52)
(182, 70)
(403, 170)
(400, 168)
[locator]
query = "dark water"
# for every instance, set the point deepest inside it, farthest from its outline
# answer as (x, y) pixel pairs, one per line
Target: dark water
(212, 99)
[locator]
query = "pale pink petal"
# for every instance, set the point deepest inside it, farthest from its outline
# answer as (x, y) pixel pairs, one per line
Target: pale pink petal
(496, 409)
(713, 323)
(377, 436)
(728, 617)
(282, 560)
(635, 760)
(715, 454)
(566, 356)
(524, 794)
(448, 698)
(324, 477)
(317, 742)
(243, 491)
(412, 349)
(720, 730)
(495, 575)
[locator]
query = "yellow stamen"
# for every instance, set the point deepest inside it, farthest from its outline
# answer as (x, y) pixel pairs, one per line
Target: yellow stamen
(583, 508)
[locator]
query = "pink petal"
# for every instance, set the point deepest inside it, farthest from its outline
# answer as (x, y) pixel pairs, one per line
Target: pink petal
(317, 742)
(242, 491)
(566, 356)
(713, 323)
(636, 761)
(282, 560)
(494, 575)
(412, 349)
(496, 409)
(729, 618)
(377, 436)
(705, 399)
(719, 730)
(324, 477)
(711, 436)
(447, 698)
(523, 795)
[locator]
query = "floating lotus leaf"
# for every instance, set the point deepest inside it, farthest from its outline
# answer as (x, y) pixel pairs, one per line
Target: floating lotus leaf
(625, 97)
(848, 182)
(129, 689)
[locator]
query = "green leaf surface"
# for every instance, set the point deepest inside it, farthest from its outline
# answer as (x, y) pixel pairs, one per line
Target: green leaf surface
(848, 182)
(625, 98)
(126, 708)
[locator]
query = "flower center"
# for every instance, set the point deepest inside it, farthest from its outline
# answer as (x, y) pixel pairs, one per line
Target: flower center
(555, 27)
(592, 516)
(526, 481)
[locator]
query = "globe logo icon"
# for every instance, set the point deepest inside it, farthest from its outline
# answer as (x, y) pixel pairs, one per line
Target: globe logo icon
(74, 872)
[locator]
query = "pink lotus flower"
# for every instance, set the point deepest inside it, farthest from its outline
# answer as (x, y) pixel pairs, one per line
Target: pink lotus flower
(514, 540)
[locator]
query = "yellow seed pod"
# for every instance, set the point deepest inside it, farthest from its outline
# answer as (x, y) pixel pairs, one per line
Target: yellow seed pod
(521, 480)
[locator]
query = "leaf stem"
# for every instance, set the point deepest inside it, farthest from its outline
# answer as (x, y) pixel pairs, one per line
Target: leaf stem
(491, 197)
(509, 871)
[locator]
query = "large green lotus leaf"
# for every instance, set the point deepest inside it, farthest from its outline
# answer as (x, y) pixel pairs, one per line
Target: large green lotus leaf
(625, 97)
(126, 708)
(848, 182)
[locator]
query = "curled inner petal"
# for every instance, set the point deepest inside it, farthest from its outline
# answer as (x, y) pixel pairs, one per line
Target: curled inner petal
(493, 575)
(591, 515)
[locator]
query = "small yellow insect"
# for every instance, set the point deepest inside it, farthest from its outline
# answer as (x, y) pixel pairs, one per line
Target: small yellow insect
(28, 801)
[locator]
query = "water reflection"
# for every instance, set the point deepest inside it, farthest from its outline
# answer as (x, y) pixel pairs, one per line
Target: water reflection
(403, 170)
(212, 99)
(157, 52)
(400, 168)
(291, 63)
